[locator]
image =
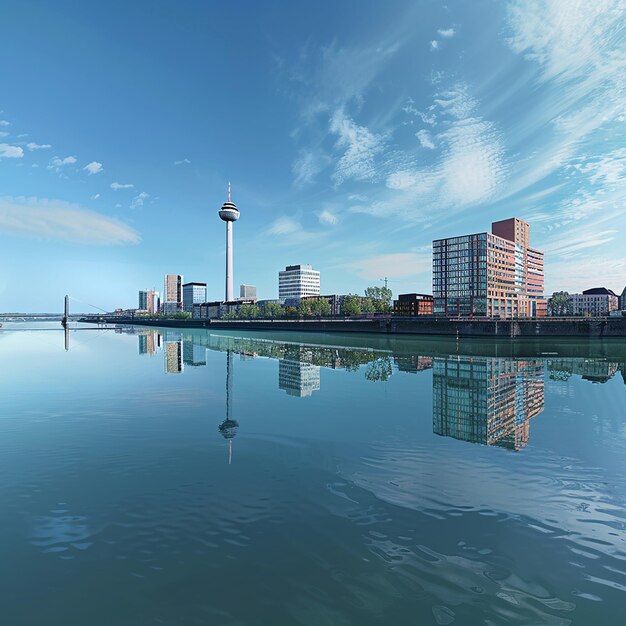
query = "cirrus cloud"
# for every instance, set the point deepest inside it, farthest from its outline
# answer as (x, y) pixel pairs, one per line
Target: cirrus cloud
(116, 186)
(56, 219)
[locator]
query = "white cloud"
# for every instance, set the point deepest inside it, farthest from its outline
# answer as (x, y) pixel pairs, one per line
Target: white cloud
(93, 168)
(115, 186)
(425, 139)
(434, 45)
(138, 200)
(95, 196)
(3, 133)
(469, 171)
(57, 163)
(395, 265)
(285, 226)
(327, 217)
(10, 152)
(37, 146)
(446, 33)
(182, 162)
(308, 165)
(5, 123)
(56, 219)
(360, 148)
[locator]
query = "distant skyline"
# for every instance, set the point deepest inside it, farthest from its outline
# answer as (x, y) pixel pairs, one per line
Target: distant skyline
(354, 134)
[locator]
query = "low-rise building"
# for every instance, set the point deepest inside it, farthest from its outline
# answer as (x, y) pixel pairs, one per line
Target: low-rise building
(596, 302)
(622, 300)
(217, 309)
(412, 304)
(335, 301)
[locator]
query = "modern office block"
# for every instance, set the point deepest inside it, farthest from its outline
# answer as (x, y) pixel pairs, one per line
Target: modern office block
(493, 274)
(297, 281)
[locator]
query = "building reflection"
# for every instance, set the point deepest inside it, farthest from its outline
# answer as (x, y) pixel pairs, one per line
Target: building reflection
(173, 348)
(487, 400)
(297, 378)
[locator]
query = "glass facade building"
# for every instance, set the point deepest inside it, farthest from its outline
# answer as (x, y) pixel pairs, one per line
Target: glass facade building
(492, 274)
(487, 400)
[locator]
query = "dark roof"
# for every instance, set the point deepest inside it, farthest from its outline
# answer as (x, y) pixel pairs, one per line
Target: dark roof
(198, 284)
(598, 291)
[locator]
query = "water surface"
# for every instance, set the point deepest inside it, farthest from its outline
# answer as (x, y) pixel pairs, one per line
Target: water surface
(186, 477)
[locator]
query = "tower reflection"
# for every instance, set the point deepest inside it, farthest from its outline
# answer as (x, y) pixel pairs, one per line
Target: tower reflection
(228, 428)
(486, 400)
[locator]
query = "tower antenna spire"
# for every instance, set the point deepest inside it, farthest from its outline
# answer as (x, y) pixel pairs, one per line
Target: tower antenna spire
(229, 191)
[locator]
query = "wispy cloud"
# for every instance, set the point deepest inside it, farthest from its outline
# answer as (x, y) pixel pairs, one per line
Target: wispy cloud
(470, 163)
(328, 218)
(31, 145)
(308, 165)
(359, 147)
(446, 33)
(182, 162)
(138, 200)
(5, 123)
(395, 265)
(58, 163)
(425, 139)
(434, 45)
(117, 186)
(8, 151)
(4, 133)
(93, 168)
(56, 219)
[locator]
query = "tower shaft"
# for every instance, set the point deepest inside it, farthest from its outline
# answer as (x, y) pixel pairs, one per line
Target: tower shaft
(229, 261)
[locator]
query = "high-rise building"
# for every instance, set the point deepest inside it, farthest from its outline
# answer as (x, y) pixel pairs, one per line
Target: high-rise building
(174, 357)
(247, 292)
(229, 213)
(622, 300)
(173, 292)
(486, 400)
(493, 274)
(193, 293)
(297, 378)
(297, 281)
(149, 300)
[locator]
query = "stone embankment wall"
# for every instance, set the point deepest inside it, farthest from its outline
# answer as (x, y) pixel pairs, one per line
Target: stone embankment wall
(548, 327)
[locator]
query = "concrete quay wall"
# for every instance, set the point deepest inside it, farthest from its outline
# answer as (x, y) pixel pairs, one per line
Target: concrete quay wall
(547, 327)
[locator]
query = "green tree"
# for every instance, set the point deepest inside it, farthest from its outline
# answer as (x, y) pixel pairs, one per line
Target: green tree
(271, 309)
(290, 311)
(381, 298)
(560, 304)
(314, 307)
(249, 311)
(367, 305)
(231, 315)
(351, 305)
(380, 369)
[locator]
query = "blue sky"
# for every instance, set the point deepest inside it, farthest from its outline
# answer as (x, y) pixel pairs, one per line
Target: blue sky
(354, 133)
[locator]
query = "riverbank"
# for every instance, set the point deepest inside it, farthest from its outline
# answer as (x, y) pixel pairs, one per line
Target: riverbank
(546, 327)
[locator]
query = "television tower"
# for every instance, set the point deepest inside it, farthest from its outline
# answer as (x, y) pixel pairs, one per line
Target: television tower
(229, 213)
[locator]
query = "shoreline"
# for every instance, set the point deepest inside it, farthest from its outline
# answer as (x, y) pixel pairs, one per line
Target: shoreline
(519, 328)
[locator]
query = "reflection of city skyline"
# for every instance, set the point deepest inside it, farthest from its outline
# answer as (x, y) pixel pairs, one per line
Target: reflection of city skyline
(487, 400)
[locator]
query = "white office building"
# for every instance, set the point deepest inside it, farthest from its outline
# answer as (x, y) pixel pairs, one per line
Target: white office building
(297, 281)
(193, 293)
(247, 292)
